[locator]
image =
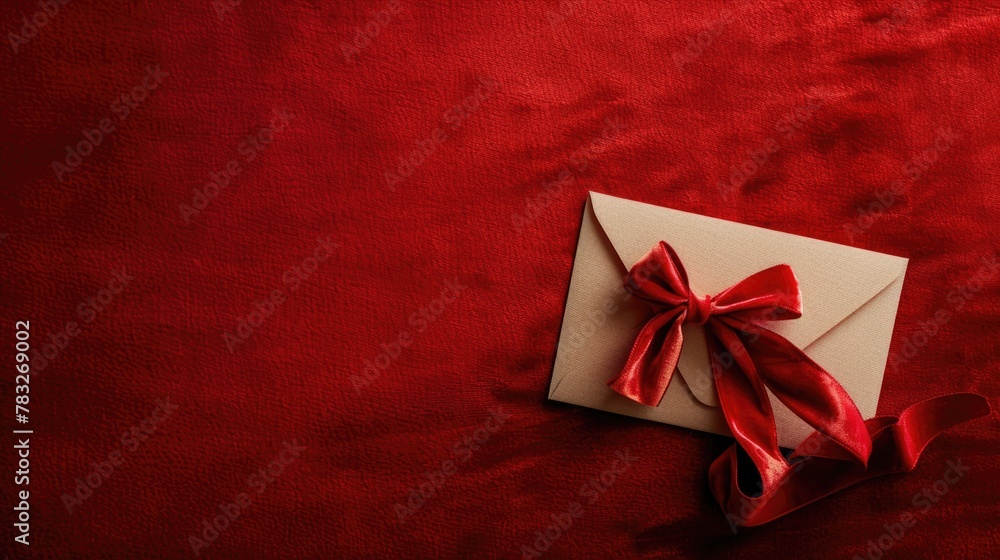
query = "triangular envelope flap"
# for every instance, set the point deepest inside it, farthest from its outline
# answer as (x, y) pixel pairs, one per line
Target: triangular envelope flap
(835, 280)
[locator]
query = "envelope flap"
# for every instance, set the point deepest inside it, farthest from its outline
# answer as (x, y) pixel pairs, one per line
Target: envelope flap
(835, 280)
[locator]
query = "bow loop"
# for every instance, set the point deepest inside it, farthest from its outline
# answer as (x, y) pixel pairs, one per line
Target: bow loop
(769, 295)
(659, 278)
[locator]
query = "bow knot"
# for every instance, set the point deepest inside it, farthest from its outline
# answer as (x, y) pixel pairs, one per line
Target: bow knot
(760, 362)
(698, 309)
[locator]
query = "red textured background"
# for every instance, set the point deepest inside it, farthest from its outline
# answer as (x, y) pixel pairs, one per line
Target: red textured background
(889, 76)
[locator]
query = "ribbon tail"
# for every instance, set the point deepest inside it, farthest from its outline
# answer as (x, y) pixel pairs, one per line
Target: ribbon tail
(807, 389)
(896, 448)
(652, 360)
(745, 403)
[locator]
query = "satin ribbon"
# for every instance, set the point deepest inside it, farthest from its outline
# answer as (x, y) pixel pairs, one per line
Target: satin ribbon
(818, 468)
(842, 451)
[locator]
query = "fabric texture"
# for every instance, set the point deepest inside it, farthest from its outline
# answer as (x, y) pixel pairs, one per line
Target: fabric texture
(300, 266)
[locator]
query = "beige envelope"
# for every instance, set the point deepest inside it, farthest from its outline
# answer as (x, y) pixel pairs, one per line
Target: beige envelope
(849, 300)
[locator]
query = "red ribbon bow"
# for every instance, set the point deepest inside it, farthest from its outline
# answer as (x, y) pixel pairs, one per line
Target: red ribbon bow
(840, 450)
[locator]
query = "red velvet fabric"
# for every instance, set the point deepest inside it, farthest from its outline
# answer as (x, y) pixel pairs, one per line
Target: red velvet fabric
(865, 123)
